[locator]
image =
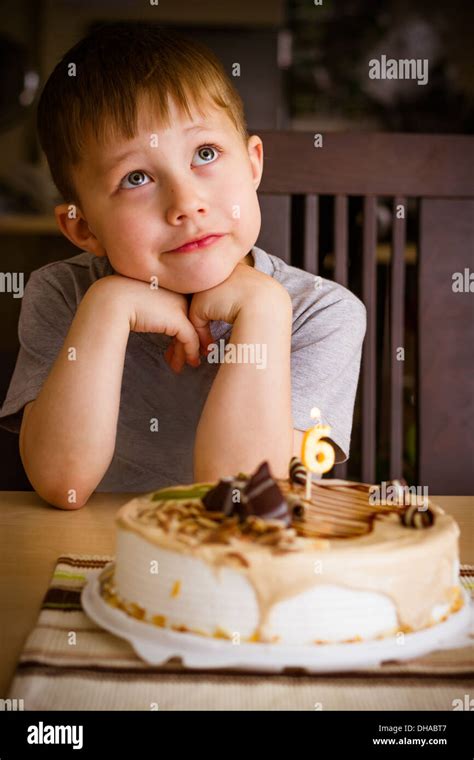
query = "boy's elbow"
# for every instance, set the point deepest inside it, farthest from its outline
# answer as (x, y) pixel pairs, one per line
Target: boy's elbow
(53, 491)
(61, 503)
(62, 498)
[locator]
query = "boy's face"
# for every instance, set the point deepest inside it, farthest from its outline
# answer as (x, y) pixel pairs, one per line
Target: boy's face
(175, 188)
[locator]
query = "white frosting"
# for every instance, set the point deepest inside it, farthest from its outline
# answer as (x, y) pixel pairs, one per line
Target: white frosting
(440, 610)
(332, 613)
(205, 602)
(190, 592)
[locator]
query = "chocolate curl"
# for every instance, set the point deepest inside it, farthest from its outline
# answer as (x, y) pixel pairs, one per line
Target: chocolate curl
(298, 511)
(413, 517)
(264, 498)
(297, 471)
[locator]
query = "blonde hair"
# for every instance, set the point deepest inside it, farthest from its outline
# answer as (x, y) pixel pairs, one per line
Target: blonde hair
(115, 65)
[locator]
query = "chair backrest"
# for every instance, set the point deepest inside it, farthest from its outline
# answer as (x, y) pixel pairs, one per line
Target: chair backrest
(438, 172)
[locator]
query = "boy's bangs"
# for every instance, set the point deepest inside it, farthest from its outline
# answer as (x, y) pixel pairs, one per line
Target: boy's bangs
(117, 119)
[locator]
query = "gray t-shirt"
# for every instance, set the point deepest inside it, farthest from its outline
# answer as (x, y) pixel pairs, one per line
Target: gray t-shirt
(328, 329)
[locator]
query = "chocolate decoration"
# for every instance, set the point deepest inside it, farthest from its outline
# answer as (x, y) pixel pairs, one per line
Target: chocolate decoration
(239, 505)
(412, 517)
(219, 498)
(297, 471)
(264, 498)
(259, 495)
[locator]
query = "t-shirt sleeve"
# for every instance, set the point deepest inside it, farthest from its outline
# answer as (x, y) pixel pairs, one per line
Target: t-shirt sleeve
(45, 319)
(325, 364)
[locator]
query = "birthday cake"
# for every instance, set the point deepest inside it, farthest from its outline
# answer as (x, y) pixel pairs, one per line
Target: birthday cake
(259, 559)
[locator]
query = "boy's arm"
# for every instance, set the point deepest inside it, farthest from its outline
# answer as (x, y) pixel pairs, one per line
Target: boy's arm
(247, 416)
(67, 437)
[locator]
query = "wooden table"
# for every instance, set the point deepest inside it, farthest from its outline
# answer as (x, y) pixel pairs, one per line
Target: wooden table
(33, 535)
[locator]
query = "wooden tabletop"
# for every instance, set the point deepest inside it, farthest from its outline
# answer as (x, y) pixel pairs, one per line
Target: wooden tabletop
(34, 534)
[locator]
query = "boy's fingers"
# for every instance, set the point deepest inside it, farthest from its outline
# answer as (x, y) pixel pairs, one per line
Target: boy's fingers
(168, 354)
(205, 337)
(189, 339)
(181, 351)
(202, 326)
(179, 357)
(209, 336)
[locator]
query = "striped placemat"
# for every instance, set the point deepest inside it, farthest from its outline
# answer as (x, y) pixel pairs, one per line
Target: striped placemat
(68, 662)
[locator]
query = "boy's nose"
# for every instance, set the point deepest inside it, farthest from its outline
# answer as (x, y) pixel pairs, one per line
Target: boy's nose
(186, 204)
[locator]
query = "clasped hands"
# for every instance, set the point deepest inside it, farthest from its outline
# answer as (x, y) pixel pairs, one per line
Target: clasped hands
(244, 286)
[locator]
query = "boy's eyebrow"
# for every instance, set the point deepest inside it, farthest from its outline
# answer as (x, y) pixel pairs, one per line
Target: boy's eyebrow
(115, 160)
(198, 126)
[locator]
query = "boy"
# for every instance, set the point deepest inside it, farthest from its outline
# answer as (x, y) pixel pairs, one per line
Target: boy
(146, 141)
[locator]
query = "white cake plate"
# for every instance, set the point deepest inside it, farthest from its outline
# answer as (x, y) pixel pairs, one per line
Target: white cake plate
(157, 645)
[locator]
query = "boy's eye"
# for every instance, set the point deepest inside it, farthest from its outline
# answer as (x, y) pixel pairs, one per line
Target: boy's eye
(135, 179)
(207, 154)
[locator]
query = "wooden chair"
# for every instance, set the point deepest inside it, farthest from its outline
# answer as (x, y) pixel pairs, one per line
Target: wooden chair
(437, 170)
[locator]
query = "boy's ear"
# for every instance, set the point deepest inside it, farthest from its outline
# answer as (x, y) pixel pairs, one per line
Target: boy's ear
(255, 151)
(74, 226)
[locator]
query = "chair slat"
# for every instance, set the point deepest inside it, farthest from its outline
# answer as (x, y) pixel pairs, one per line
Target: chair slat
(397, 336)
(341, 237)
(369, 296)
(275, 234)
(311, 234)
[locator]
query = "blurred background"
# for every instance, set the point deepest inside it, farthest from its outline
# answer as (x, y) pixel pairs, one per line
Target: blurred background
(303, 68)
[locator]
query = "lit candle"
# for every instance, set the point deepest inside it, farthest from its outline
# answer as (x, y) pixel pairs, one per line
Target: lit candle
(316, 455)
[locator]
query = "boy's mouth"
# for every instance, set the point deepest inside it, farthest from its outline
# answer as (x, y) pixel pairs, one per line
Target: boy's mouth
(202, 242)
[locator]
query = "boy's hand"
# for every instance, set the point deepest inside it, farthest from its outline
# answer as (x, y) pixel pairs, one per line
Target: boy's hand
(156, 311)
(244, 286)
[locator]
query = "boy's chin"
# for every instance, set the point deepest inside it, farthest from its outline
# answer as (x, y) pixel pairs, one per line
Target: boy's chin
(203, 281)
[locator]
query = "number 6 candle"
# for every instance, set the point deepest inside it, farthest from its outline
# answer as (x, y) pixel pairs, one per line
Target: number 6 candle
(316, 455)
